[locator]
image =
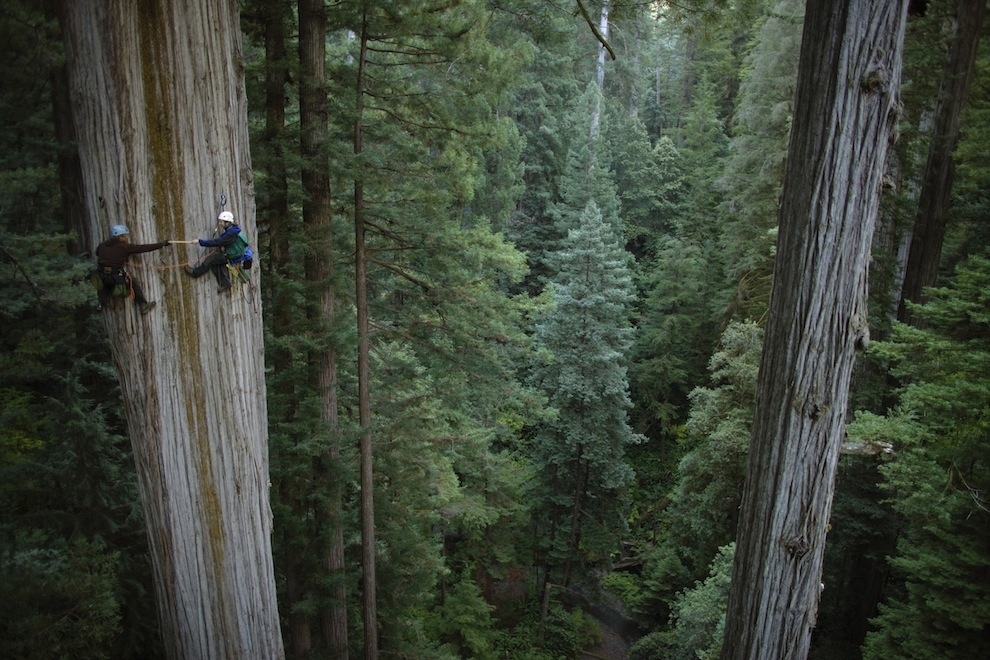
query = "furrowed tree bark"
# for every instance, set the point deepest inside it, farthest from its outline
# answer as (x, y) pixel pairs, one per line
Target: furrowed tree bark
(161, 118)
(845, 112)
(933, 206)
(314, 126)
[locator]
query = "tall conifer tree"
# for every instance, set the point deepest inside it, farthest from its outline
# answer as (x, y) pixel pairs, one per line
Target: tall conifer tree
(436, 331)
(580, 453)
(939, 477)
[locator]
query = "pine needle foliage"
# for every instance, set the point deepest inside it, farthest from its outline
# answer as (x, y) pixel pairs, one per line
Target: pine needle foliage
(580, 454)
(939, 477)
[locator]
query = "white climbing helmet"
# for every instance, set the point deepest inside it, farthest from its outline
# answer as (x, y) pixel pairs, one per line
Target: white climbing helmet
(118, 230)
(226, 216)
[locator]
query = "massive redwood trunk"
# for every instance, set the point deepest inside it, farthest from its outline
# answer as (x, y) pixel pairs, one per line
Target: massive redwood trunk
(160, 115)
(848, 77)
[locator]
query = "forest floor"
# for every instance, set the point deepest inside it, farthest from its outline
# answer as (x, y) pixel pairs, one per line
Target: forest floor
(612, 647)
(618, 630)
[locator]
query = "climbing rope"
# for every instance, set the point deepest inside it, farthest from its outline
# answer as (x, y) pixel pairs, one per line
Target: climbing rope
(235, 271)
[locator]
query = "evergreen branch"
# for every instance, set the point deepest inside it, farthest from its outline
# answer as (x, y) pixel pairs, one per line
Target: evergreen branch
(974, 493)
(17, 265)
(403, 274)
(425, 127)
(382, 231)
(424, 62)
(594, 29)
(418, 55)
(395, 95)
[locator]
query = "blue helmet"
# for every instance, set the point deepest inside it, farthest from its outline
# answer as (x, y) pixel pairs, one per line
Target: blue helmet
(118, 230)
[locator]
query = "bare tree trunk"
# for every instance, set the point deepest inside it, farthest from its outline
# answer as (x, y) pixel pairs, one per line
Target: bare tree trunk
(574, 541)
(596, 116)
(161, 118)
(844, 113)
(369, 607)
(933, 206)
(300, 632)
(314, 126)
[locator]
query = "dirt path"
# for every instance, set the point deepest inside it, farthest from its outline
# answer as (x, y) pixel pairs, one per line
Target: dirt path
(613, 647)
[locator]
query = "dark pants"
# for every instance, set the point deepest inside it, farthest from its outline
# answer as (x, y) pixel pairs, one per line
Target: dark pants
(217, 262)
(112, 278)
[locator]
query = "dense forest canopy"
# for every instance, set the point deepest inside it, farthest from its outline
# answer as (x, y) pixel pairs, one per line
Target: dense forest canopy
(514, 261)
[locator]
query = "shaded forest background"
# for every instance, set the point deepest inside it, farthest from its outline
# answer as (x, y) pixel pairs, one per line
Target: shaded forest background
(570, 269)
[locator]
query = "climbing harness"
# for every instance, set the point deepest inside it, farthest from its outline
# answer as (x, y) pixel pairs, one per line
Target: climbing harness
(115, 280)
(238, 272)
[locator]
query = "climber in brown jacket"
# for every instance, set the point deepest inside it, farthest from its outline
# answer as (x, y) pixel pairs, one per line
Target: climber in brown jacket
(111, 255)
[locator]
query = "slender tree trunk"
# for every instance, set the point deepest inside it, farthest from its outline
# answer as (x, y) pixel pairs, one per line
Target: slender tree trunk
(300, 632)
(161, 118)
(574, 542)
(933, 206)
(596, 118)
(848, 78)
(369, 607)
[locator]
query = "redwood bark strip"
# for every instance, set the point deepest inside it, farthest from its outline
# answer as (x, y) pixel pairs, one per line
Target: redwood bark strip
(844, 114)
(161, 119)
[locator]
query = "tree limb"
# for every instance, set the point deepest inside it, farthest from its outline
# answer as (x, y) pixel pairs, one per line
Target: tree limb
(27, 278)
(594, 29)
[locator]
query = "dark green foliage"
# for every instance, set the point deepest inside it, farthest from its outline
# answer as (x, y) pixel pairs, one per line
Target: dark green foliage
(862, 535)
(63, 486)
(712, 472)
(698, 615)
(436, 174)
(59, 602)
(582, 345)
(697, 618)
(700, 515)
(682, 297)
(648, 180)
(587, 176)
(74, 573)
(970, 198)
(29, 53)
(676, 334)
(539, 104)
(664, 575)
(465, 620)
(563, 633)
(652, 646)
(939, 476)
(754, 170)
